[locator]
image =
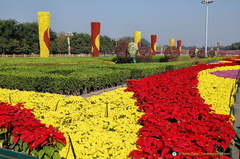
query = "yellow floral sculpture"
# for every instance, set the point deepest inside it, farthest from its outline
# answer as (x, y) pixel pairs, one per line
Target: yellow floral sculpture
(44, 33)
(137, 38)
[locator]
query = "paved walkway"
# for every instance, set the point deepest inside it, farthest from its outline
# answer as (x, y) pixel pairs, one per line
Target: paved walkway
(102, 91)
(235, 151)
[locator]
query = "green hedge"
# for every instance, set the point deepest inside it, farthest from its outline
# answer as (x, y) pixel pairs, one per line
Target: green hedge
(81, 79)
(51, 60)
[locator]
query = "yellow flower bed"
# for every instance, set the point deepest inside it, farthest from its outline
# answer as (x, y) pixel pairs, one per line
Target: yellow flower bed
(216, 91)
(101, 126)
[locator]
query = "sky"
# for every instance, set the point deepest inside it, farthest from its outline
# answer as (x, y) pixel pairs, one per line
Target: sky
(168, 19)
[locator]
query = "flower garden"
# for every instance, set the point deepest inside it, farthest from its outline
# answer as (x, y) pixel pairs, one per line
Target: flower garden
(184, 113)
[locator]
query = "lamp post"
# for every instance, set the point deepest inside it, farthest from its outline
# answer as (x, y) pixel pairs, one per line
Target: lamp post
(206, 23)
(68, 42)
(218, 45)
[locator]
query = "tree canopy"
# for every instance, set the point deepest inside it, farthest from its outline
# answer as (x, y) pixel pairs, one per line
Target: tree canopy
(234, 46)
(22, 38)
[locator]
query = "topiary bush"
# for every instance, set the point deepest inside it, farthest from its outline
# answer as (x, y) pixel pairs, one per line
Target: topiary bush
(211, 53)
(144, 54)
(193, 52)
(122, 52)
(201, 54)
(171, 53)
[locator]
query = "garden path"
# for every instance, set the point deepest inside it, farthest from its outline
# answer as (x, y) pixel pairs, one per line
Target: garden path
(102, 91)
(236, 152)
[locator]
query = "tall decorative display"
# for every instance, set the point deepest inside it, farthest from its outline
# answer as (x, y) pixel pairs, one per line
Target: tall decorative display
(171, 42)
(144, 54)
(179, 46)
(171, 53)
(44, 33)
(153, 44)
(137, 38)
(122, 51)
(95, 33)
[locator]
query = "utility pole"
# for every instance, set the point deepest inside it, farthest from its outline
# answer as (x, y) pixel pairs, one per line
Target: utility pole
(68, 42)
(206, 23)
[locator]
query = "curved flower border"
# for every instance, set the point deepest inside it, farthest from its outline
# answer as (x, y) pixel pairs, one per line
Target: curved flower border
(177, 119)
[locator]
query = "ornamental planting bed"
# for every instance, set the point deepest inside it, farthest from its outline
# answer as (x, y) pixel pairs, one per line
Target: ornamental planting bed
(184, 113)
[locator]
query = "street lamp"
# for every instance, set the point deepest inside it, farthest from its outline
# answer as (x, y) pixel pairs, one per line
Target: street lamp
(218, 45)
(68, 42)
(206, 23)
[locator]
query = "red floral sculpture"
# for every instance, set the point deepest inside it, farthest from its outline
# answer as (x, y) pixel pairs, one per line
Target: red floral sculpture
(95, 32)
(179, 46)
(153, 44)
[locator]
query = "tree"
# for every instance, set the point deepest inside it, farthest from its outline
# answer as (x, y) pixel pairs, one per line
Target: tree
(234, 46)
(81, 43)
(7, 31)
(3, 44)
(59, 44)
(107, 45)
(17, 38)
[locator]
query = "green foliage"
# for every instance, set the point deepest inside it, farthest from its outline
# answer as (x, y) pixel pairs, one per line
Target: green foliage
(76, 76)
(51, 152)
(19, 38)
(234, 46)
(54, 76)
(52, 60)
(107, 44)
(237, 139)
(22, 38)
(59, 45)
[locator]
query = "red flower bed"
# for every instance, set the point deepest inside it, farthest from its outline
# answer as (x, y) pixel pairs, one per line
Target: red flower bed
(176, 118)
(21, 124)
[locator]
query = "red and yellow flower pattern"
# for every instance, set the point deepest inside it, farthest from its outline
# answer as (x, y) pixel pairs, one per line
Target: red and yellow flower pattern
(178, 112)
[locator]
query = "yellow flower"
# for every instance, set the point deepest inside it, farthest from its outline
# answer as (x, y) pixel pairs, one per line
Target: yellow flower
(103, 126)
(218, 91)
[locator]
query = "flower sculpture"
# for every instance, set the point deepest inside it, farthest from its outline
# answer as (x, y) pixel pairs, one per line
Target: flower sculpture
(172, 52)
(144, 54)
(193, 52)
(179, 46)
(171, 42)
(132, 50)
(153, 44)
(137, 38)
(44, 33)
(122, 52)
(211, 53)
(95, 33)
(201, 54)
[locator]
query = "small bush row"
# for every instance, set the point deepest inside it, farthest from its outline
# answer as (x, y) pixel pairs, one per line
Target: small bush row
(77, 79)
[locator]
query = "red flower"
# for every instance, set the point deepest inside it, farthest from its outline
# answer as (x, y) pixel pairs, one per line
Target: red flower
(176, 118)
(22, 125)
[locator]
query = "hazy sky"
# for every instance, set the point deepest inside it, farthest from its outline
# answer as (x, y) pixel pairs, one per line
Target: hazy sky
(178, 19)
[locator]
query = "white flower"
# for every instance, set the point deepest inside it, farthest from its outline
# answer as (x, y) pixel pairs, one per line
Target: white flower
(132, 49)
